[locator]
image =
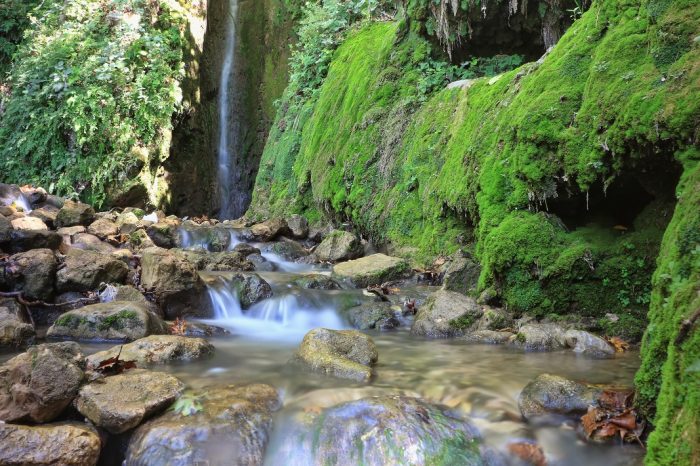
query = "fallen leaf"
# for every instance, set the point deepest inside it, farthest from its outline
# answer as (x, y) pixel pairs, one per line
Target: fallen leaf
(530, 453)
(619, 344)
(114, 366)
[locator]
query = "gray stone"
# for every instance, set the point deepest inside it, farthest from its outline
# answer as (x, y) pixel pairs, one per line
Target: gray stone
(552, 394)
(339, 246)
(32, 272)
(86, 270)
(74, 213)
(490, 337)
(287, 249)
(103, 228)
(371, 270)
(461, 274)
(25, 240)
(163, 234)
(88, 242)
(14, 331)
(298, 226)
(65, 444)
(447, 314)
(588, 344)
(269, 230)
(539, 337)
(495, 319)
(29, 223)
(316, 281)
(157, 349)
(46, 214)
(369, 316)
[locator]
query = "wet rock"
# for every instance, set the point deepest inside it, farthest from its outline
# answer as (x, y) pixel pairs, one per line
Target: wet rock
(551, 394)
(65, 444)
(163, 234)
(122, 402)
(157, 349)
(231, 428)
(174, 281)
(25, 240)
(446, 314)
(298, 226)
(32, 272)
(127, 222)
(217, 261)
(261, 264)
(245, 249)
(250, 288)
(29, 223)
(54, 201)
(346, 354)
(539, 337)
(47, 215)
(36, 386)
(490, 337)
(139, 240)
(371, 270)
(85, 270)
(113, 321)
(588, 344)
(200, 329)
(287, 249)
(368, 316)
(339, 246)
(461, 274)
(379, 431)
(75, 213)
(14, 331)
(269, 230)
(88, 242)
(102, 228)
(495, 319)
(316, 281)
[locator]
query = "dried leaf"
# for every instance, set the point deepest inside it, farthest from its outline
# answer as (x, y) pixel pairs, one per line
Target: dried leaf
(114, 366)
(530, 453)
(589, 421)
(619, 344)
(615, 400)
(179, 327)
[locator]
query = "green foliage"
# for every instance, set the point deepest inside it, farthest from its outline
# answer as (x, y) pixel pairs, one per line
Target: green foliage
(464, 322)
(14, 19)
(94, 86)
(187, 404)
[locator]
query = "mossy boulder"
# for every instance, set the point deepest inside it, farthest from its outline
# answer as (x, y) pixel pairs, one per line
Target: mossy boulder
(66, 444)
(74, 213)
(379, 315)
(157, 349)
(346, 354)
(339, 246)
(36, 386)
(371, 270)
(461, 274)
(377, 431)
(122, 402)
(287, 249)
(86, 270)
(446, 314)
(539, 337)
(554, 395)
(113, 321)
(316, 281)
(238, 417)
(163, 234)
(490, 337)
(495, 319)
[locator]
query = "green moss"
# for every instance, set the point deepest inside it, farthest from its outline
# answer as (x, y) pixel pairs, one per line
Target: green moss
(118, 321)
(70, 321)
(457, 450)
(464, 322)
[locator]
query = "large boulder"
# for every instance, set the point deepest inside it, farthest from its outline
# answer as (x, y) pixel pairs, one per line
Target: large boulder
(15, 332)
(88, 242)
(346, 354)
(112, 321)
(230, 427)
(25, 240)
(339, 246)
(29, 223)
(371, 270)
(103, 228)
(269, 230)
(446, 314)
(298, 226)
(124, 401)
(86, 270)
(539, 337)
(250, 288)
(495, 319)
(174, 281)
(157, 349)
(65, 444)
(551, 394)
(375, 315)
(287, 249)
(378, 431)
(32, 272)
(74, 213)
(36, 386)
(316, 281)
(588, 344)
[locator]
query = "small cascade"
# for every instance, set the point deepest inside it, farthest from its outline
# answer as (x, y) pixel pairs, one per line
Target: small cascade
(208, 238)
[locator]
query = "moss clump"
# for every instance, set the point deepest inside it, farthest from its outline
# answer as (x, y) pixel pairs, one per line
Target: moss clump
(457, 450)
(464, 322)
(119, 321)
(70, 321)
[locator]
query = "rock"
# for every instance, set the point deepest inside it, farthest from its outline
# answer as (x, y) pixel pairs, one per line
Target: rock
(298, 226)
(65, 444)
(200, 329)
(490, 337)
(539, 337)
(461, 274)
(316, 281)
(371, 270)
(588, 344)
(88, 242)
(269, 230)
(113, 321)
(174, 280)
(377, 431)
(368, 316)
(317, 233)
(231, 429)
(139, 240)
(6, 211)
(28, 223)
(5, 230)
(75, 213)
(25, 240)
(157, 349)
(287, 249)
(46, 214)
(36, 386)
(122, 402)
(217, 261)
(446, 314)
(261, 264)
(346, 354)
(245, 249)
(339, 246)
(163, 234)
(495, 319)
(55, 201)
(85, 270)
(551, 394)
(250, 288)
(32, 272)
(14, 331)
(102, 228)
(68, 233)
(127, 222)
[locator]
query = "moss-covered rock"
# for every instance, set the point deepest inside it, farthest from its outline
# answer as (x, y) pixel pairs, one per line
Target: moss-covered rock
(446, 314)
(371, 270)
(157, 349)
(339, 246)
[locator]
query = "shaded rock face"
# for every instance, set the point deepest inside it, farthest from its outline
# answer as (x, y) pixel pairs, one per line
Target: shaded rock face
(371, 270)
(32, 272)
(379, 431)
(75, 213)
(232, 428)
(446, 314)
(124, 401)
(66, 444)
(368, 316)
(112, 321)
(25, 240)
(539, 337)
(157, 349)
(36, 386)
(174, 281)
(251, 288)
(14, 331)
(217, 261)
(461, 274)
(85, 270)
(5, 230)
(298, 226)
(339, 246)
(346, 354)
(163, 235)
(588, 344)
(551, 394)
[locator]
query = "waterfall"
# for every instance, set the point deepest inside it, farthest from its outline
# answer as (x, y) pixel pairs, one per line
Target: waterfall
(225, 157)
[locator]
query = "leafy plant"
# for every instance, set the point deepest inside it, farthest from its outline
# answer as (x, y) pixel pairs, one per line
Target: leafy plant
(187, 405)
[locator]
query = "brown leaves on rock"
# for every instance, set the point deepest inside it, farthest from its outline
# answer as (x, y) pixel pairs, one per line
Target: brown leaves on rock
(614, 417)
(383, 290)
(529, 453)
(114, 366)
(431, 275)
(179, 327)
(117, 240)
(619, 344)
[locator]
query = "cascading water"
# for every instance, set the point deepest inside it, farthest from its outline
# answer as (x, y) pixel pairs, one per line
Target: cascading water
(226, 146)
